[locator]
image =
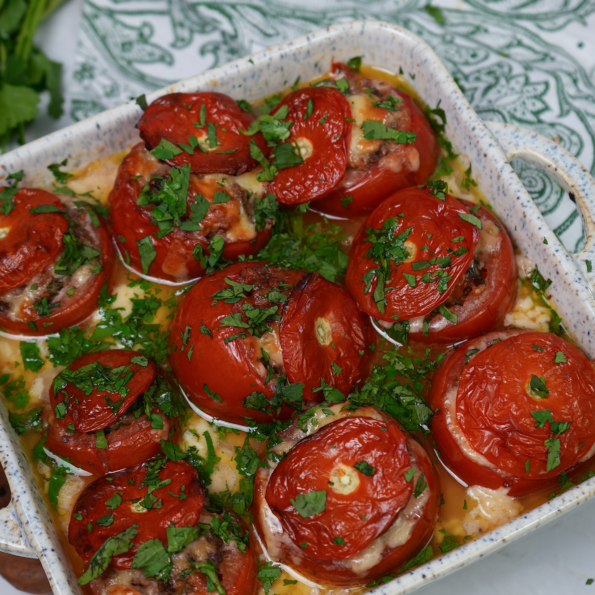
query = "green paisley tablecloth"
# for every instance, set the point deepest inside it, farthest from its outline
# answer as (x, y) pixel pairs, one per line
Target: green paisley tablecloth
(525, 62)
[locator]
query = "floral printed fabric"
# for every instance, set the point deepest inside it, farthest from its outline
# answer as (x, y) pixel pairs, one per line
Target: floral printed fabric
(525, 62)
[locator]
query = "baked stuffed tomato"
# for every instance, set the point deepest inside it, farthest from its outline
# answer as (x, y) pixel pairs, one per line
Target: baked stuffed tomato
(219, 555)
(165, 542)
(352, 498)
(256, 340)
(200, 130)
(55, 257)
(432, 268)
(110, 410)
(514, 409)
(312, 160)
(392, 146)
(174, 554)
(172, 224)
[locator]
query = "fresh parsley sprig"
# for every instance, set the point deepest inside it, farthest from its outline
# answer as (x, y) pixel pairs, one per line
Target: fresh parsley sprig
(25, 71)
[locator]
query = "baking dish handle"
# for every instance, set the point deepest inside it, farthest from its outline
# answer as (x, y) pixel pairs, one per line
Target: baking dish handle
(12, 540)
(566, 169)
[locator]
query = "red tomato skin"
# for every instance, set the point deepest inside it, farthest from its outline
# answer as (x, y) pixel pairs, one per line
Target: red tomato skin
(406, 302)
(308, 468)
(92, 413)
(174, 260)
(212, 362)
(449, 451)
(307, 359)
(75, 309)
(34, 241)
(151, 524)
(169, 117)
(323, 171)
(327, 571)
(371, 187)
(484, 312)
(128, 446)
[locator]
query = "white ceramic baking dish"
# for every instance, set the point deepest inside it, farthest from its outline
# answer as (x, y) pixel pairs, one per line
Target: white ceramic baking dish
(25, 526)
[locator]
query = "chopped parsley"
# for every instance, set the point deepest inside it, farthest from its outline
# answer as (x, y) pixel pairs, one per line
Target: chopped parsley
(390, 102)
(268, 573)
(373, 130)
(387, 249)
(309, 504)
(538, 387)
(118, 544)
(315, 248)
(365, 468)
(397, 387)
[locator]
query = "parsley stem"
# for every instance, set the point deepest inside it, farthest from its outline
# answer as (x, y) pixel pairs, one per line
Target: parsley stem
(33, 17)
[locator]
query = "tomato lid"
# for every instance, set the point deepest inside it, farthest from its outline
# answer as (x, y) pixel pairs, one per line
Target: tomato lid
(527, 404)
(410, 254)
(141, 497)
(342, 487)
(202, 130)
(322, 335)
(97, 388)
(321, 131)
(32, 240)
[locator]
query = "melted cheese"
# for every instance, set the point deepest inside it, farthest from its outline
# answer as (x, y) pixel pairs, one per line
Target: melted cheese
(528, 314)
(243, 229)
(224, 474)
(489, 509)
(98, 177)
(270, 343)
(361, 110)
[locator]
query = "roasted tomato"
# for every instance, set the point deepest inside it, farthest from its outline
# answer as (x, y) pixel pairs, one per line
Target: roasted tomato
(204, 129)
(354, 498)
(320, 131)
(410, 254)
(142, 501)
(110, 410)
(171, 224)
(221, 543)
(54, 259)
(392, 146)
(281, 334)
(481, 300)
(514, 409)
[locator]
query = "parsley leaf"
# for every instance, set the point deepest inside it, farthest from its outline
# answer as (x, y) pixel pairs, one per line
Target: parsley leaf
(365, 468)
(147, 253)
(151, 558)
(538, 281)
(118, 544)
(268, 573)
(373, 130)
(471, 219)
(424, 556)
(355, 63)
(31, 356)
(309, 504)
(538, 387)
(165, 150)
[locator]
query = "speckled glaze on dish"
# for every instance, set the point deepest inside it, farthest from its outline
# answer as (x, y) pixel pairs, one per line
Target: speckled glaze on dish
(391, 47)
